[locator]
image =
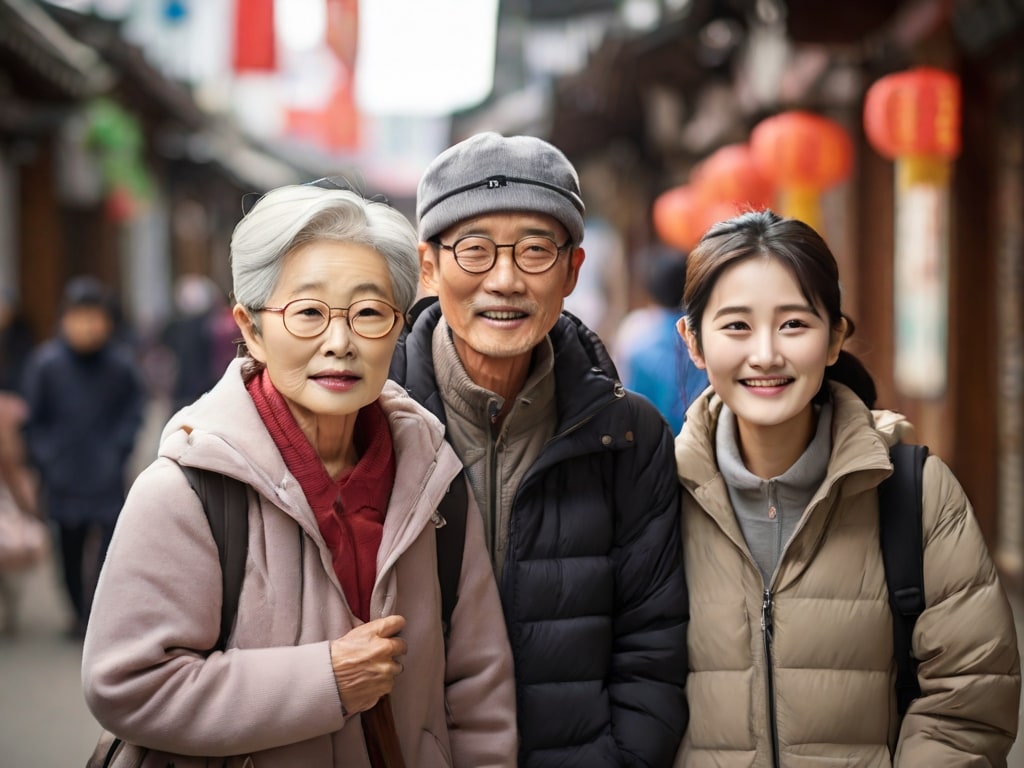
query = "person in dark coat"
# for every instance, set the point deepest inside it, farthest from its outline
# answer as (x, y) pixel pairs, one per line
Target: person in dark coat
(200, 350)
(574, 476)
(85, 407)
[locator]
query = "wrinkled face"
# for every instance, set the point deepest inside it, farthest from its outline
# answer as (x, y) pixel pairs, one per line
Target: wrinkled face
(503, 313)
(334, 374)
(86, 328)
(764, 347)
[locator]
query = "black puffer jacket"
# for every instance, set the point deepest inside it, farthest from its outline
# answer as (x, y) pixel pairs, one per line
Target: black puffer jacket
(593, 591)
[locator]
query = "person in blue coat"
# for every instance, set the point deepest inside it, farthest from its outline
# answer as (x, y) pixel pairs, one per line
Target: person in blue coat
(574, 475)
(85, 402)
(651, 356)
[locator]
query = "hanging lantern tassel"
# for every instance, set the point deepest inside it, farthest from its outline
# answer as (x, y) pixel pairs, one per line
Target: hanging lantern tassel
(913, 118)
(802, 203)
(803, 154)
(929, 170)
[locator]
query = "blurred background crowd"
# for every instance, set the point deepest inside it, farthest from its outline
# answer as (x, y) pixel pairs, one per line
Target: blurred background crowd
(131, 131)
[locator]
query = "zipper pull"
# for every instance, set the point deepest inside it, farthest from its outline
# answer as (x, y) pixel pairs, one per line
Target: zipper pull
(766, 612)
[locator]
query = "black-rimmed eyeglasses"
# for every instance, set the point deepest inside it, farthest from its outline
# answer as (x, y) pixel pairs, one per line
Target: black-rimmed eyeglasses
(306, 318)
(533, 254)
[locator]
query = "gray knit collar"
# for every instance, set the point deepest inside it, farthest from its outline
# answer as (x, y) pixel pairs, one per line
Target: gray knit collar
(806, 473)
(460, 393)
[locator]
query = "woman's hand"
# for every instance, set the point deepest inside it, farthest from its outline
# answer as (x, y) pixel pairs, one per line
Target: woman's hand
(364, 662)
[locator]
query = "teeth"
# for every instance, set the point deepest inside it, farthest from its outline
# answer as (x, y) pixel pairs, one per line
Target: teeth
(504, 315)
(766, 382)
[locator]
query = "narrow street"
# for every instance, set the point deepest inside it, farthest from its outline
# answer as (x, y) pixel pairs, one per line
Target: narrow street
(45, 723)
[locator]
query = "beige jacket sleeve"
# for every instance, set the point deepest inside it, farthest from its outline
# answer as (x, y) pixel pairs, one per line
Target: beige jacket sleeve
(965, 640)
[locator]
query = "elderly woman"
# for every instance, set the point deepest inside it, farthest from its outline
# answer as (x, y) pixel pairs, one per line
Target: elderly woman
(339, 608)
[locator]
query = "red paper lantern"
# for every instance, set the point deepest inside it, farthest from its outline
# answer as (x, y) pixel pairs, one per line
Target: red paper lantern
(915, 112)
(683, 214)
(730, 175)
(802, 150)
(678, 216)
(804, 154)
(720, 211)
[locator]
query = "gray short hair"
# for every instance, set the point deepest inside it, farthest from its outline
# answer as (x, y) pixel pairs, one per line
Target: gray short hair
(289, 217)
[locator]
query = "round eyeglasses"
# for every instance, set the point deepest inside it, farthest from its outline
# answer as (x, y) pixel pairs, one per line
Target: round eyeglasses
(533, 254)
(306, 318)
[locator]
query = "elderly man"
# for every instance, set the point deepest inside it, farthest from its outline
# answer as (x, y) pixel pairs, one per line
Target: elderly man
(574, 476)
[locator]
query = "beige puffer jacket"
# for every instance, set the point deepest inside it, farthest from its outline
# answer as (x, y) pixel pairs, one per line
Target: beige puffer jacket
(824, 695)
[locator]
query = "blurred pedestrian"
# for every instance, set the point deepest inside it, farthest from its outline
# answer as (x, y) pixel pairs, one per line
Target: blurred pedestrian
(791, 639)
(575, 477)
(339, 618)
(24, 539)
(22, 536)
(650, 355)
(16, 344)
(85, 407)
(195, 338)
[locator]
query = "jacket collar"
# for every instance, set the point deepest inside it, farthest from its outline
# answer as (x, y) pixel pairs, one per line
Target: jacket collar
(479, 405)
(860, 451)
(859, 461)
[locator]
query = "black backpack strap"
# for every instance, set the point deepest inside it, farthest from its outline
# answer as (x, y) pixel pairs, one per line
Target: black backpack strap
(902, 541)
(226, 507)
(451, 539)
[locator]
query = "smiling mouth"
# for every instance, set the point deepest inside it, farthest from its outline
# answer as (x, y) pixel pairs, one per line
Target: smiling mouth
(503, 314)
(335, 377)
(767, 383)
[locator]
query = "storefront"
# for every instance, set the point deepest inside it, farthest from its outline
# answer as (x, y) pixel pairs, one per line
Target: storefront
(966, 397)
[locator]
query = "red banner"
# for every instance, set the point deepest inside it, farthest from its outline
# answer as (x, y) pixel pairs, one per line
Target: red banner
(254, 36)
(343, 30)
(334, 127)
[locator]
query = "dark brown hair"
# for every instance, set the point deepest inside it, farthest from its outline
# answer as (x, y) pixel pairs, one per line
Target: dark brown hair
(797, 247)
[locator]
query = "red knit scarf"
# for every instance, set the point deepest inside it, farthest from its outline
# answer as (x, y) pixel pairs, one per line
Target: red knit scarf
(350, 510)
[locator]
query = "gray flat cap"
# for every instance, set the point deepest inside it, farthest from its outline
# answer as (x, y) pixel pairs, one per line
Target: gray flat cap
(489, 173)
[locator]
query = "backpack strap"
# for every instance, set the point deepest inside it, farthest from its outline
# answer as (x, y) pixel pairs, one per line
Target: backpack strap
(451, 539)
(227, 510)
(224, 502)
(902, 541)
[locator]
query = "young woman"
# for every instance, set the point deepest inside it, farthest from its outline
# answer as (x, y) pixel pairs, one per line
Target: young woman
(340, 605)
(790, 641)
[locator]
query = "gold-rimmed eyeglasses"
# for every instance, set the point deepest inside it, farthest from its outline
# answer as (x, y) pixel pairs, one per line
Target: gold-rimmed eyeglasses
(306, 318)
